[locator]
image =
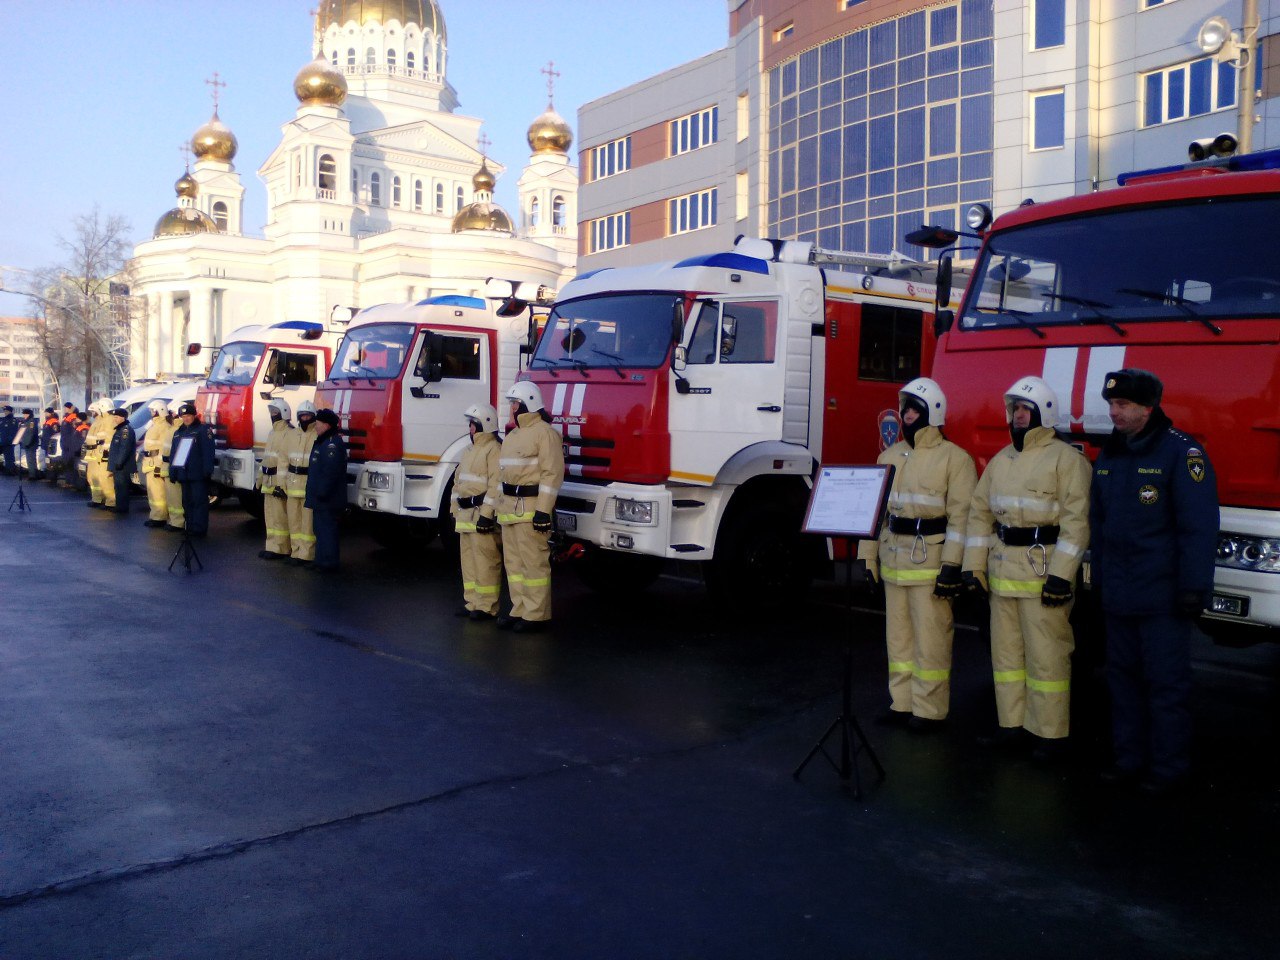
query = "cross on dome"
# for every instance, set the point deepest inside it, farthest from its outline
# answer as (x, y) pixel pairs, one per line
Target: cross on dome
(215, 83)
(551, 74)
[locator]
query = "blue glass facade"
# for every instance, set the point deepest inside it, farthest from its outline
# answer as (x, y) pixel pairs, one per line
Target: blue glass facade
(874, 133)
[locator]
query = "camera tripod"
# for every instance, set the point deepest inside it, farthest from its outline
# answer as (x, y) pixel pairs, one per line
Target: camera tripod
(186, 553)
(20, 499)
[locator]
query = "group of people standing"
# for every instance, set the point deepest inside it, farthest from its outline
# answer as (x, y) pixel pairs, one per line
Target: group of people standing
(37, 449)
(1147, 510)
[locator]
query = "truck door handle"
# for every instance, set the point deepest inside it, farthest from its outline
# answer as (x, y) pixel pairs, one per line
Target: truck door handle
(770, 408)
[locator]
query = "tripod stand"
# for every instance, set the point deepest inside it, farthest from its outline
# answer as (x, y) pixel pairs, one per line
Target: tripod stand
(852, 740)
(186, 553)
(20, 498)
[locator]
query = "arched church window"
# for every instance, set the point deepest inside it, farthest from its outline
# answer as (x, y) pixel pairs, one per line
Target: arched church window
(328, 173)
(408, 62)
(370, 60)
(557, 212)
(535, 209)
(417, 194)
(459, 200)
(439, 198)
(395, 191)
(355, 183)
(351, 57)
(391, 60)
(375, 189)
(220, 215)
(334, 56)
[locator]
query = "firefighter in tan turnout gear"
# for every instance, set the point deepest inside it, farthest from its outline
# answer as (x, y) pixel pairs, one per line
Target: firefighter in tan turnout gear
(302, 537)
(275, 467)
(531, 467)
(155, 462)
(919, 554)
(172, 488)
(102, 492)
(476, 488)
(1028, 530)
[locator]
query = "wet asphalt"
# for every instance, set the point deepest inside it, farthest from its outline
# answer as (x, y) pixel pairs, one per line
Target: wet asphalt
(256, 760)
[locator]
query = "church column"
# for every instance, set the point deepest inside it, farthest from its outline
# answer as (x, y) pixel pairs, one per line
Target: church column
(151, 356)
(164, 333)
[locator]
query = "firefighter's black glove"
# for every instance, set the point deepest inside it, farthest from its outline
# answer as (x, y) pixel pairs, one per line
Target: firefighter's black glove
(1056, 592)
(1190, 605)
(975, 582)
(948, 585)
(279, 493)
(542, 522)
(486, 525)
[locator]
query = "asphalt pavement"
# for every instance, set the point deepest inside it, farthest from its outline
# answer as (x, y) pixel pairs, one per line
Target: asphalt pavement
(256, 760)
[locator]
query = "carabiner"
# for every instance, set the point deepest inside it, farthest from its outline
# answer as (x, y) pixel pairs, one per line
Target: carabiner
(1044, 559)
(924, 549)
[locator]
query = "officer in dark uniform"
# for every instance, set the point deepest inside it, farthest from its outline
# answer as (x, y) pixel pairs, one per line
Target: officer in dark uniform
(8, 430)
(195, 469)
(1154, 515)
(28, 440)
(326, 494)
(120, 457)
(66, 444)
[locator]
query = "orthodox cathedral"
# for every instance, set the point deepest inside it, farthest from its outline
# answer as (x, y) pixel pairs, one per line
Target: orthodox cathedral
(377, 192)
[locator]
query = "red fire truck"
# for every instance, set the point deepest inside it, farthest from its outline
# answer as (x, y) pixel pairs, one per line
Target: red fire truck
(1176, 271)
(256, 364)
(695, 399)
(401, 379)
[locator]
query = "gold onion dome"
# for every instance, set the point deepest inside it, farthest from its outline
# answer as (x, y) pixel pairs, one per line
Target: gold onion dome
(482, 216)
(320, 83)
(184, 221)
(186, 185)
(214, 141)
(425, 13)
(550, 133)
(484, 180)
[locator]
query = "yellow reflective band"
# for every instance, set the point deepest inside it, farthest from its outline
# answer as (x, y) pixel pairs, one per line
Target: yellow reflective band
(468, 585)
(515, 517)
(537, 582)
(1029, 587)
(893, 575)
(276, 532)
(931, 674)
(896, 667)
(1049, 686)
(464, 527)
(1010, 676)
(300, 494)
(493, 589)
(305, 537)
(177, 512)
(514, 578)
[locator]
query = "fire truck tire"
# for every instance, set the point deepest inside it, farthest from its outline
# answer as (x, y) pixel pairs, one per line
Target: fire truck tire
(618, 575)
(762, 561)
(251, 501)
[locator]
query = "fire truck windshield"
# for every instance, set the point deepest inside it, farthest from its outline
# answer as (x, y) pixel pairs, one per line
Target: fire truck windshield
(1196, 261)
(619, 330)
(236, 364)
(373, 352)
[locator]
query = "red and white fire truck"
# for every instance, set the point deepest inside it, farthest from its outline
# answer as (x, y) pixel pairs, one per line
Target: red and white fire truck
(1176, 271)
(401, 379)
(258, 363)
(696, 398)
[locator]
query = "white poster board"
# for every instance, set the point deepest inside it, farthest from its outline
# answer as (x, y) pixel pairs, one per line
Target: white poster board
(181, 452)
(17, 437)
(848, 501)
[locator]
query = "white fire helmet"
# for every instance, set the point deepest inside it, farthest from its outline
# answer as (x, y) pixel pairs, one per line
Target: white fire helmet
(306, 406)
(485, 416)
(157, 408)
(928, 391)
(281, 406)
(527, 393)
(105, 405)
(1033, 390)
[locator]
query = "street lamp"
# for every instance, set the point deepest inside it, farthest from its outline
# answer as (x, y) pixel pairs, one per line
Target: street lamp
(1216, 37)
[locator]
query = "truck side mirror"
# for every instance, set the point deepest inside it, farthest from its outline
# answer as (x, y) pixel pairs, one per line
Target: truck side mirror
(680, 358)
(942, 321)
(944, 283)
(193, 349)
(677, 321)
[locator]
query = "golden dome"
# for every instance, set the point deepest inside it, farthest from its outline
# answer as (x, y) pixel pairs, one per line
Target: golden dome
(484, 180)
(550, 133)
(424, 13)
(186, 185)
(482, 216)
(214, 141)
(184, 221)
(320, 83)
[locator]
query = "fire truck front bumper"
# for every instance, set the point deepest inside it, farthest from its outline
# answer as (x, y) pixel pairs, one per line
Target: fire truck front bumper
(235, 469)
(1246, 589)
(631, 518)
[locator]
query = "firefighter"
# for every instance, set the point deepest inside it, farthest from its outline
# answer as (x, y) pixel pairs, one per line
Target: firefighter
(476, 487)
(27, 440)
(1027, 532)
(121, 457)
(1154, 514)
(302, 537)
(102, 492)
(155, 463)
(531, 469)
(71, 450)
(191, 460)
(275, 463)
(326, 490)
(919, 554)
(8, 430)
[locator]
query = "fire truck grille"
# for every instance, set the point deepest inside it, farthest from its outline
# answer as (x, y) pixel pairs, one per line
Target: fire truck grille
(588, 451)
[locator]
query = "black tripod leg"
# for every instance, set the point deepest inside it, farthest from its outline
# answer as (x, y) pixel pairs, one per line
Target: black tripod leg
(819, 747)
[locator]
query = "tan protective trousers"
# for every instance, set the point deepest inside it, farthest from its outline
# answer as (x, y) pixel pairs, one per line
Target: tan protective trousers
(102, 487)
(528, 561)
(918, 633)
(481, 555)
(1031, 648)
(302, 536)
(173, 497)
(157, 497)
(275, 516)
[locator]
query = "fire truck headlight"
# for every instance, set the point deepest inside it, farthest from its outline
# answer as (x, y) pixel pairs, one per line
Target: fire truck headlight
(632, 511)
(377, 481)
(1239, 552)
(978, 216)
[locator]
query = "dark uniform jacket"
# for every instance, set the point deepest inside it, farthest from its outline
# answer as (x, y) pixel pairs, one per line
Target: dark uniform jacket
(8, 429)
(73, 440)
(66, 430)
(1154, 515)
(48, 430)
(200, 461)
(121, 453)
(327, 474)
(32, 436)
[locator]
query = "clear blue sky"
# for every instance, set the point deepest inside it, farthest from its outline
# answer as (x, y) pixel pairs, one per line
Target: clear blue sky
(102, 93)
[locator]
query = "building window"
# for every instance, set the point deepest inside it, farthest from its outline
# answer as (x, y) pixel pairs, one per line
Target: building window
(417, 194)
(370, 60)
(327, 179)
(610, 232)
(610, 158)
(408, 62)
(1148, 4)
(691, 212)
(395, 192)
(334, 56)
(1049, 27)
(439, 198)
(743, 204)
(391, 60)
(351, 58)
(784, 31)
(355, 182)
(220, 215)
(535, 209)
(1048, 119)
(849, 4)
(694, 131)
(744, 116)
(459, 200)
(375, 189)
(557, 213)
(1187, 90)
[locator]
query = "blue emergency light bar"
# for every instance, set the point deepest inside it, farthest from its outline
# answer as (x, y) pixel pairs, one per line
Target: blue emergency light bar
(729, 261)
(297, 325)
(452, 300)
(1244, 163)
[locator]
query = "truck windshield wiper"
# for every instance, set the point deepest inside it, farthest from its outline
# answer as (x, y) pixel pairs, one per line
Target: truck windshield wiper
(1182, 303)
(1096, 306)
(1022, 318)
(551, 365)
(616, 366)
(580, 364)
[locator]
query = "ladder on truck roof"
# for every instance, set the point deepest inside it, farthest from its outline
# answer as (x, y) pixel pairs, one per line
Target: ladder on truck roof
(798, 251)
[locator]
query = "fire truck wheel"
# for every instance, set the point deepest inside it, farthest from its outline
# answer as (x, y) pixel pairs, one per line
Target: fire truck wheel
(251, 501)
(761, 562)
(617, 575)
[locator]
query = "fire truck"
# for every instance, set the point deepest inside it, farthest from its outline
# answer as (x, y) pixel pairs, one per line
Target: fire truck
(697, 397)
(257, 364)
(1177, 271)
(401, 379)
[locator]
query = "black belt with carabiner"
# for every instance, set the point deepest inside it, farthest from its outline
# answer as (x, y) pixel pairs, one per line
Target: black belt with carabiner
(1027, 536)
(520, 489)
(466, 503)
(917, 526)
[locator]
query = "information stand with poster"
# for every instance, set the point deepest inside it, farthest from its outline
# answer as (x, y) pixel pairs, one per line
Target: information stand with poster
(847, 502)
